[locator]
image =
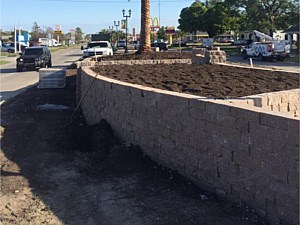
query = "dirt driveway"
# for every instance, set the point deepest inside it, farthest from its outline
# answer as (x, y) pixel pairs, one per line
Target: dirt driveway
(79, 175)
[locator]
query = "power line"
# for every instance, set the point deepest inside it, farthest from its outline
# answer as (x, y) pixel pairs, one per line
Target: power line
(117, 1)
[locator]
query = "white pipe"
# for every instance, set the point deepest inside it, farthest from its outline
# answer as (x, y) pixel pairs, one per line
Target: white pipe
(251, 63)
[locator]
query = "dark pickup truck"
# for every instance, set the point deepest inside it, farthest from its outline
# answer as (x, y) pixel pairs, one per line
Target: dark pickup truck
(34, 58)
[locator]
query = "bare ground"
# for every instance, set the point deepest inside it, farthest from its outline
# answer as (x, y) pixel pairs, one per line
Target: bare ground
(54, 172)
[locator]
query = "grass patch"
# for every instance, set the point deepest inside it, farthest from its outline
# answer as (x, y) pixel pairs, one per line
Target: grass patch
(294, 58)
(2, 62)
(231, 50)
(7, 54)
(55, 49)
(4, 53)
(12, 54)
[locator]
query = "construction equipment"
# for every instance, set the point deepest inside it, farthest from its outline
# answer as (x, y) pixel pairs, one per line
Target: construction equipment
(264, 47)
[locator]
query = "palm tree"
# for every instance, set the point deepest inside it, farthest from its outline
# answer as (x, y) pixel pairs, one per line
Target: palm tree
(145, 36)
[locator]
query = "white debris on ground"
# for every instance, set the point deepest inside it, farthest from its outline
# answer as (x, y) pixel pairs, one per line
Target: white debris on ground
(51, 107)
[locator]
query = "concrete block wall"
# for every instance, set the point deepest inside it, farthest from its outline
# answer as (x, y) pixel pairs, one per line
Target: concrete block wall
(52, 78)
(134, 62)
(285, 102)
(248, 156)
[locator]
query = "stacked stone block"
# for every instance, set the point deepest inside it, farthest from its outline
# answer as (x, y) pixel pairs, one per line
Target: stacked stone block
(136, 62)
(247, 156)
(208, 56)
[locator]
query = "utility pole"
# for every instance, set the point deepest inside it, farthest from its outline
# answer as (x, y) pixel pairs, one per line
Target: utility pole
(117, 24)
(15, 41)
(126, 16)
(19, 39)
(159, 12)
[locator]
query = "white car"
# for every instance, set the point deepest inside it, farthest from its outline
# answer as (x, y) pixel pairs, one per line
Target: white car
(98, 48)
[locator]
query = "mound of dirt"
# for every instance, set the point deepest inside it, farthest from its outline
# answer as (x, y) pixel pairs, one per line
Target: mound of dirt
(213, 81)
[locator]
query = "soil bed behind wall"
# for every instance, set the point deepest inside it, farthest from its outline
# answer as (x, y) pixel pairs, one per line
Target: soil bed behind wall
(213, 81)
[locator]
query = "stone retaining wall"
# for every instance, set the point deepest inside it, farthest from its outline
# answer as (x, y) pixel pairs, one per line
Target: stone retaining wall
(136, 62)
(285, 102)
(248, 156)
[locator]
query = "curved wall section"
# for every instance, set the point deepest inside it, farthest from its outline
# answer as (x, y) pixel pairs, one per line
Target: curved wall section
(246, 155)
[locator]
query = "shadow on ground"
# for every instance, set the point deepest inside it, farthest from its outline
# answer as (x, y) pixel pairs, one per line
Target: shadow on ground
(78, 174)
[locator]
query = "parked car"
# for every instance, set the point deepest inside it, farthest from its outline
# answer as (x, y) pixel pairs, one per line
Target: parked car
(12, 45)
(100, 48)
(121, 44)
(161, 45)
(136, 44)
(226, 40)
(190, 42)
(7, 48)
(240, 42)
(34, 58)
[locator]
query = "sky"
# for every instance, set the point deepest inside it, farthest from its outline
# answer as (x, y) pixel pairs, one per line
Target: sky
(90, 15)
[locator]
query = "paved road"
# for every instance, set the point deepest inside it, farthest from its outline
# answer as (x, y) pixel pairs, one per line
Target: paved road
(14, 83)
(285, 66)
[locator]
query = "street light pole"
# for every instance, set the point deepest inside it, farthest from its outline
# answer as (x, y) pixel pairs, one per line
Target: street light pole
(126, 16)
(111, 28)
(117, 25)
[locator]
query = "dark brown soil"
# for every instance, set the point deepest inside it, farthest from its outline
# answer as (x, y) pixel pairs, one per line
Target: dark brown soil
(213, 81)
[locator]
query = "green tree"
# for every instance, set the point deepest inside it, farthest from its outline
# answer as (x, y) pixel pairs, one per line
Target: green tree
(290, 17)
(220, 18)
(192, 18)
(161, 33)
(78, 35)
(35, 32)
(179, 35)
(267, 15)
(273, 10)
(212, 3)
(215, 17)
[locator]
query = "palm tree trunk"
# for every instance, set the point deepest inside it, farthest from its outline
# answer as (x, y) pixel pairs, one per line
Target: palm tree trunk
(145, 36)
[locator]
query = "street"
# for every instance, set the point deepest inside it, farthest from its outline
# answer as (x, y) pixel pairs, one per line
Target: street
(285, 66)
(13, 82)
